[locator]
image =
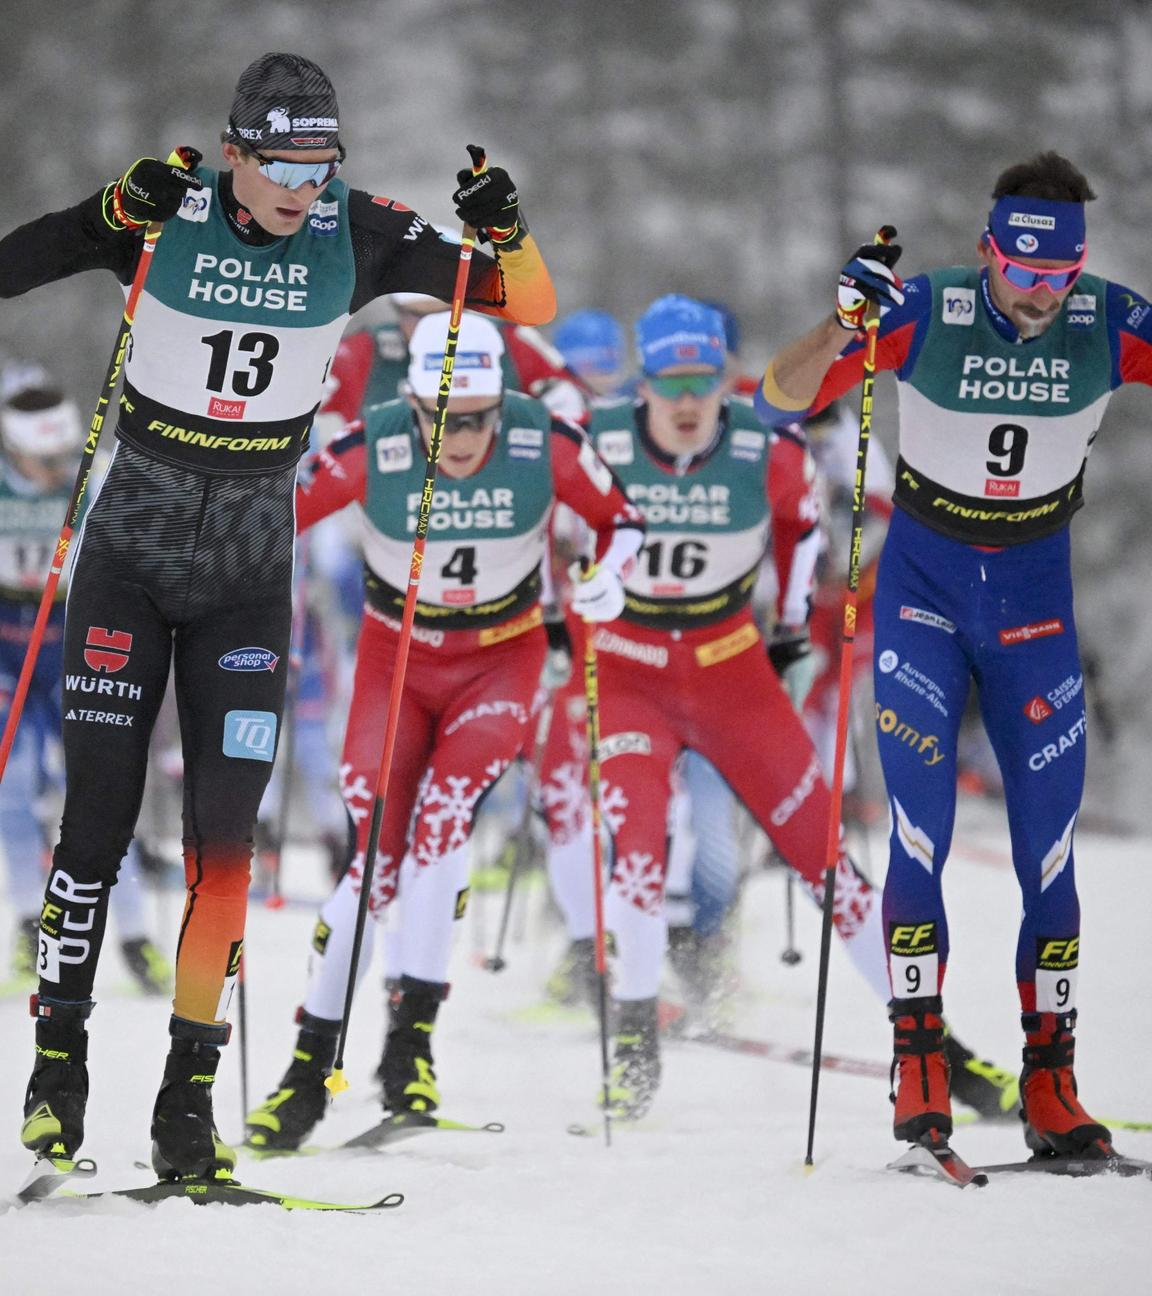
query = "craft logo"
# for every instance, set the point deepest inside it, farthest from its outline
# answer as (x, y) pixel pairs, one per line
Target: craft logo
(107, 650)
(1037, 710)
(249, 659)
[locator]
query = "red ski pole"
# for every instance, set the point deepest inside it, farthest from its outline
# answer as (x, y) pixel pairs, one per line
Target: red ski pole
(336, 1081)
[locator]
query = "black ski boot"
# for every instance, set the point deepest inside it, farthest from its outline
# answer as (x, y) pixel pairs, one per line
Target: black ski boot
(406, 1073)
(989, 1090)
(150, 970)
(286, 1118)
(185, 1144)
(636, 1061)
(58, 1088)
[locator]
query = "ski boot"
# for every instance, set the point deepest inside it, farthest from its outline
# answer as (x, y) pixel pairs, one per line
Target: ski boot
(406, 1073)
(636, 1061)
(923, 1107)
(573, 983)
(285, 1119)
(989, 1090)
(1054, 1121)
(148, 967)
(185, 1143)
(58, 1088)
(703, 968)
(24, 945)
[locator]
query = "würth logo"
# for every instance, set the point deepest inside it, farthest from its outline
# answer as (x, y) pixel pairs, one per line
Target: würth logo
(107, 650)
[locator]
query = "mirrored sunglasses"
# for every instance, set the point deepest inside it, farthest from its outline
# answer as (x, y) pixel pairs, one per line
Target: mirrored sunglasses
(673, 386)
(291, 175)
(1028, 278)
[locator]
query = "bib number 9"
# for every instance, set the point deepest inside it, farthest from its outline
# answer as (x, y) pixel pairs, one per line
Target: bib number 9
(1007, 443)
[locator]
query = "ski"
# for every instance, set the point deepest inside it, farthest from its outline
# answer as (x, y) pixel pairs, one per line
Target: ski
(939, 1161)
(403, 1125)
(796, 1056)
(225, 1192)
(393, 1129)
(50, 1173)
(1122, 1167)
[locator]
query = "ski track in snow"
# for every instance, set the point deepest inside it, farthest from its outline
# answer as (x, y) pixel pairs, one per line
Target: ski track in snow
(708, 1195)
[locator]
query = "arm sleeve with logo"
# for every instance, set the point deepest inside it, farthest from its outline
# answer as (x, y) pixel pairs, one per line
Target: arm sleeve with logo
(585, 483)
(398, 251)
(1129, 318)
(64, 243)
(337, 479)
(795, 506)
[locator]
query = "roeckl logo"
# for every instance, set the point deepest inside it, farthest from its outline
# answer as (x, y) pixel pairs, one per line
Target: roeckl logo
(107, 650)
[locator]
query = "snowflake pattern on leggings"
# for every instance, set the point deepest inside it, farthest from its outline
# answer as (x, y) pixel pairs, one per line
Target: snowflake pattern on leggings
(853, 899)
(444, 818)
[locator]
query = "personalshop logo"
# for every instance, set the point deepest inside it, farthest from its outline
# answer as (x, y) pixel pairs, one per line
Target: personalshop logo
(250, 735)
(249, 659)
(107, 650)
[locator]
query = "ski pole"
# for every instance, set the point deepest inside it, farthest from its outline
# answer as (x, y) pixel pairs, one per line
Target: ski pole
(187, 158)
(790, 954)
(336, 1082)
(520, 843)
(592, 703)
(275, 898)
(242, 1031)
(885, 234)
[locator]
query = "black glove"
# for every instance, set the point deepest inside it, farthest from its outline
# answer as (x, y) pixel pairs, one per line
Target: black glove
(868, 278)
(489, 203)
(150, 190)
(790, 652)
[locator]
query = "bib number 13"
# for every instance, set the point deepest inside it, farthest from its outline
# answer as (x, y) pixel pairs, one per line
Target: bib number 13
(241, 364)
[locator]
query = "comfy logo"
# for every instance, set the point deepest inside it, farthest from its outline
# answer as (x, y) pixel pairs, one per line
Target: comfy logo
(107, 650)
(926, 745)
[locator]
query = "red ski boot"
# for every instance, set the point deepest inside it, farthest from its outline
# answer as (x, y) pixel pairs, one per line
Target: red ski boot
(1054, 1120)
(923, 1106)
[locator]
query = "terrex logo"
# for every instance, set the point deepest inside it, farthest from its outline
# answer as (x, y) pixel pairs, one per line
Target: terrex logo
(107, 650)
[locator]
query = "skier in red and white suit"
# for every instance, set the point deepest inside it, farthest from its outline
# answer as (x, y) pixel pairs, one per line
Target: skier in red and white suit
(473, 668)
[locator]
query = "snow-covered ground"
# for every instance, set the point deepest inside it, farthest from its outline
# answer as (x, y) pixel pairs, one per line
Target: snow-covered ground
(707, 1195)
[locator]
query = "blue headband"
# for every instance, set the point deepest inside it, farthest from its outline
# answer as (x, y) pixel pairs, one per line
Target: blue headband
(1038, 227)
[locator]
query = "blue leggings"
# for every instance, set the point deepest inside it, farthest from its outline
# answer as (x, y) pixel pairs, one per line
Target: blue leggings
(947, 613)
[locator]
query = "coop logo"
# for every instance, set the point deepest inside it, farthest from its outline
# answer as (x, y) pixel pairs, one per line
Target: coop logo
(959, 305)
(196, 205)
(1037, 710)
(250, 735)
(107, 650)
(322, 219)
(249, 659)
(1027, 243)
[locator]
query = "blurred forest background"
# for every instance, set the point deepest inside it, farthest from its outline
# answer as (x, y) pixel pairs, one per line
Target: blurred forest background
(735, 149)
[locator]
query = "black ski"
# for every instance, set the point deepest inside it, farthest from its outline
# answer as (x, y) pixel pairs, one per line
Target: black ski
(222, 1191)
(1075, 1167)
(403, 1125)
(392, 1129)
(941, 1162)
(50, 1173)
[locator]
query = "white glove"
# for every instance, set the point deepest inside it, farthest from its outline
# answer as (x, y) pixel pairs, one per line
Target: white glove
(598, 596)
